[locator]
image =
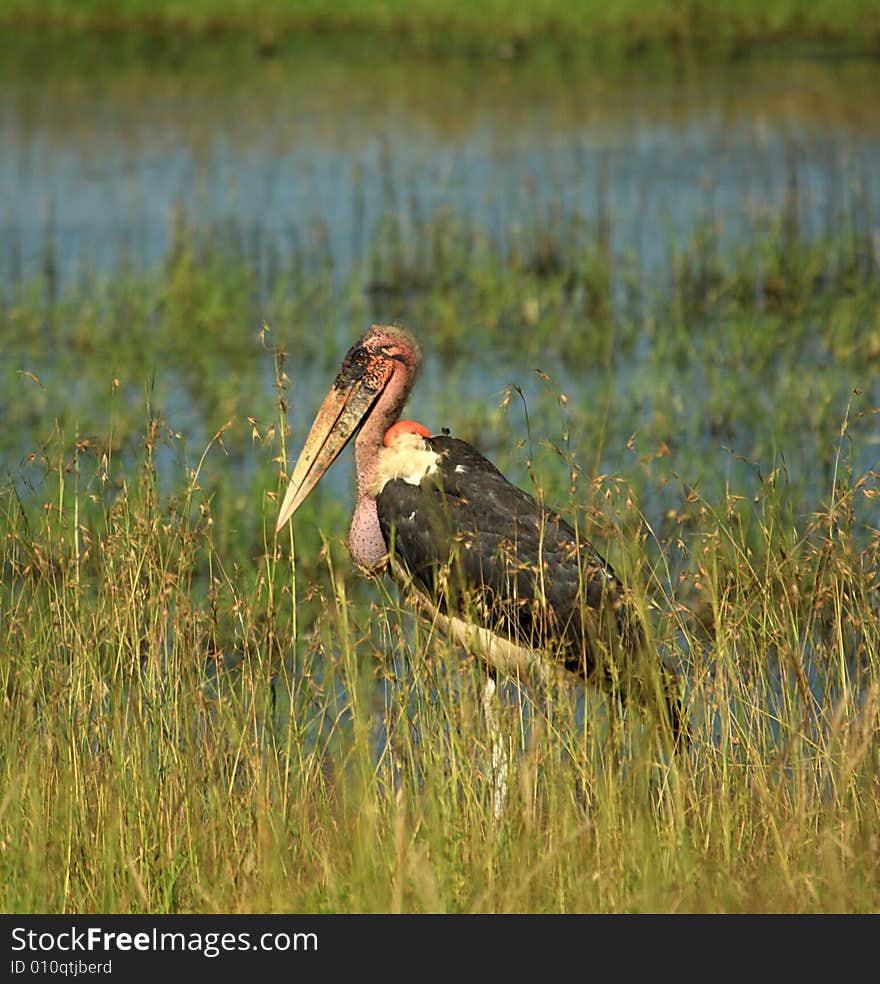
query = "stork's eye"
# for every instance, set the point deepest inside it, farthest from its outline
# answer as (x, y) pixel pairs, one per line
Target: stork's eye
(357, 360)
(354, 366)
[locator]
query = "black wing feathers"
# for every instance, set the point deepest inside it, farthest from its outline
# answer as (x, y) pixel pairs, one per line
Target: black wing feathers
(482, 547)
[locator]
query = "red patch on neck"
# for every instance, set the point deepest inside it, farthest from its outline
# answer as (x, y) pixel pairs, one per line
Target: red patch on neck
(404, 427)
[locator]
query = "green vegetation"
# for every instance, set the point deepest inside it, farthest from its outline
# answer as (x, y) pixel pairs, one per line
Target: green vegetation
(196, 718)
(496, 27)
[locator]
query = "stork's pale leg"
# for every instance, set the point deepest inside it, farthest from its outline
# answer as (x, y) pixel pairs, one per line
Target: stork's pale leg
(500, 754)
(501, 656)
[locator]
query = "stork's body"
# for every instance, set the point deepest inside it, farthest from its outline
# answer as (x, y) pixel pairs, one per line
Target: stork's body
(480, 550)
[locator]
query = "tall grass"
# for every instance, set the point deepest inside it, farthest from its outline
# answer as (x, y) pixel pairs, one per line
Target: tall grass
(201, 717)
(168, 747)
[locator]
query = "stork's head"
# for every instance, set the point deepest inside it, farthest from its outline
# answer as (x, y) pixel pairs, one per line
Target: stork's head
(375, 376)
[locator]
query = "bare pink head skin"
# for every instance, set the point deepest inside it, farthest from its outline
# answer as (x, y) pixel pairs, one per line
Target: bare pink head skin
(366, 398)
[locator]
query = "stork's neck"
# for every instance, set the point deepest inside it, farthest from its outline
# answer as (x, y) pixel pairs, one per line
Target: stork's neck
(365, 540)
(367, 445)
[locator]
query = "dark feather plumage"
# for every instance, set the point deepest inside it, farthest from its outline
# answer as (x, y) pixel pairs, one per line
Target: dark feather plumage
(482, 548)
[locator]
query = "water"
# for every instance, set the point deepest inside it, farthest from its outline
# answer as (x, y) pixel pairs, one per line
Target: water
(311, 151)
(320, 146)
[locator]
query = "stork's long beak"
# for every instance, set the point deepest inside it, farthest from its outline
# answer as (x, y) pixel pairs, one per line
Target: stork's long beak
(340, 415)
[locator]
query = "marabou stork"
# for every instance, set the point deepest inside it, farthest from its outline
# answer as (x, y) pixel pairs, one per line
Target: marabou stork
(496, 567)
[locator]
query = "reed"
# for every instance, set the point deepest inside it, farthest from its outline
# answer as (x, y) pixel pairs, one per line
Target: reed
(499, 27)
